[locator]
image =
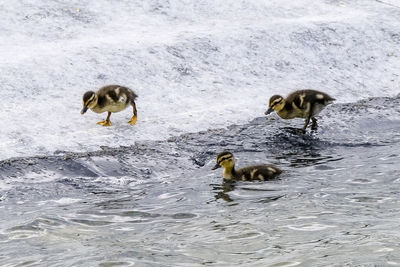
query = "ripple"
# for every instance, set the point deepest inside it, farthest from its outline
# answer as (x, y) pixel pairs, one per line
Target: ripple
(310, 227)
(34, 228)
(91, 222)
(25, 231)
(268, 199)
(133, 213)
(245, 235)
(303, 217)
(61, 201)
(285, 264)
(368, 199)
(384, 250)
(361, 181)
(115, 263)
(170, 195)
(183, 216)
(324, 167)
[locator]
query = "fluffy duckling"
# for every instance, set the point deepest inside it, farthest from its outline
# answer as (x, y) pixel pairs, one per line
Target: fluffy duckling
(110, 98)
(257, 172)
(300, 104)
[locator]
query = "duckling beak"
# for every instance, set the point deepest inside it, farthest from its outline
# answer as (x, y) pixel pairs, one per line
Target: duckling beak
(269, 111)
(216, 167)
(83, 111)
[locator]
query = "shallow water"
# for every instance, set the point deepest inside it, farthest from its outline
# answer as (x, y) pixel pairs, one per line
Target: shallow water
(196, 65)
(159, 204)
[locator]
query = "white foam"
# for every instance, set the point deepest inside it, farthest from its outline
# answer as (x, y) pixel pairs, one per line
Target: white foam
(195, 65)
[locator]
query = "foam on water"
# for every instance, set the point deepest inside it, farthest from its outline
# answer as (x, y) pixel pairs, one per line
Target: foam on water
(195, 65)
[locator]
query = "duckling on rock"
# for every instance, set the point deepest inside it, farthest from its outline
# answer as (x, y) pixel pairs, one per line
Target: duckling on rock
(256, 172)
(110, 98)
(300, 104)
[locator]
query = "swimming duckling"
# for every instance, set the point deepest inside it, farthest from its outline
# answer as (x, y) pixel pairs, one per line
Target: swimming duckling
(110, 98)
(257, 172)
(300, 104)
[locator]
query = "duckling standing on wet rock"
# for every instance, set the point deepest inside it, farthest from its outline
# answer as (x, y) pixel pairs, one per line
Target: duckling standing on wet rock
(257, 172)
(111, 98)
(300, 104)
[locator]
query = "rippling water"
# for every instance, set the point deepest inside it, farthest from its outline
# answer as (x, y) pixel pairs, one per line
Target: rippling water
(159, 204)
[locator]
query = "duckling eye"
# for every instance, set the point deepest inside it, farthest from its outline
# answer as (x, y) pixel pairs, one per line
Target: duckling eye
(276, 102)
(89, 101)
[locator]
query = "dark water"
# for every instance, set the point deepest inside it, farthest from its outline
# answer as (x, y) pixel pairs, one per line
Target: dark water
(158, 203)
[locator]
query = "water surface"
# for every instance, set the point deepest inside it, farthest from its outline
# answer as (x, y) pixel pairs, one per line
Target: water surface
(159, 204)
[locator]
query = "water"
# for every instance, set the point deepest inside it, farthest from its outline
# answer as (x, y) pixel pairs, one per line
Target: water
(76, 194)
(159, 204)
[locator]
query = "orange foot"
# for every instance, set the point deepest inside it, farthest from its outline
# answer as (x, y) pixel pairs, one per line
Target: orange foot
(133, 120)
(104, 123)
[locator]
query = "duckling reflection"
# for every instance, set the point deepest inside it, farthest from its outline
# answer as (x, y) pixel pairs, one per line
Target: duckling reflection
(300, 104)
(223, 190)
(256, 172)
(111, 98)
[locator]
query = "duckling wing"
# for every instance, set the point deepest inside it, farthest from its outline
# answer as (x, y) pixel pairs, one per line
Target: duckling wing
(258, 172)
(129, 93)
(299, 99)
(318, 97)
(302, 98)
(107, 98)
(115, 95)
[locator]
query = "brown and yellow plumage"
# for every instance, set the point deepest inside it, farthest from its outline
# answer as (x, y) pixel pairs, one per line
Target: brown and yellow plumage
(110, 98)
(300, 104)
(256, 172)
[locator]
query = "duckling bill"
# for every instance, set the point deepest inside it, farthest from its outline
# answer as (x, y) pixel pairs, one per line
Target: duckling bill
(111, 99)
(300, 104)
(256, 172)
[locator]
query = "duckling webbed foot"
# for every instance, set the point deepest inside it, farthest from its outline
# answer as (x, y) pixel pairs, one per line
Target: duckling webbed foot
(107, 122)
(314, 125)
(133, 120)
(104, 123)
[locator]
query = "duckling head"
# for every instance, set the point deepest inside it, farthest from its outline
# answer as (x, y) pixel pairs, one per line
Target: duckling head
(276, 103)
(89, 100)
(224, 159)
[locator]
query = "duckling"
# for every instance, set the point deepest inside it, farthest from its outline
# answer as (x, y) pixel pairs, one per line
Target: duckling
(110, 98)
(256, 172)
(300, 104)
